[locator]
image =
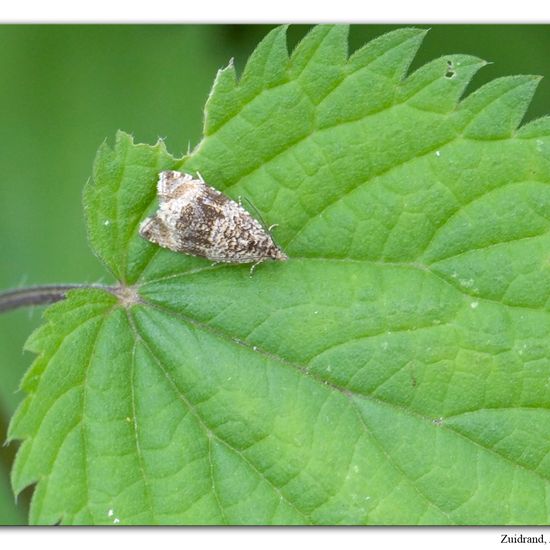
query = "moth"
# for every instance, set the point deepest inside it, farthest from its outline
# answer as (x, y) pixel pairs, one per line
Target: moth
(194, 218)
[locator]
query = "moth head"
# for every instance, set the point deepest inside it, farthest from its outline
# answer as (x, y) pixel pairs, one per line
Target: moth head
(277, 254)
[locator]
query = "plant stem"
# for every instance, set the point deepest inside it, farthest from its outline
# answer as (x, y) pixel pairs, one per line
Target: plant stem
(39, 295)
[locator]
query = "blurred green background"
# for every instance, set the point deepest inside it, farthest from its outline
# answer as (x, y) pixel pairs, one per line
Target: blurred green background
(65, 89)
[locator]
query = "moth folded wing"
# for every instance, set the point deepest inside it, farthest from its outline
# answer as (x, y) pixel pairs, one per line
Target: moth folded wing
(155, 230)
(194, 230)
(183, 224)
(240, 239)
(245, 255)
(196, 219)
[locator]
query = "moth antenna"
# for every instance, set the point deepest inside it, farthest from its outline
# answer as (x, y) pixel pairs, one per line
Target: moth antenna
(258, 215)
(200, 177)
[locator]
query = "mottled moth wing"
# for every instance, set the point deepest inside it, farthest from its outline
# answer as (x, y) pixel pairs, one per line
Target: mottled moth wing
(194, 218)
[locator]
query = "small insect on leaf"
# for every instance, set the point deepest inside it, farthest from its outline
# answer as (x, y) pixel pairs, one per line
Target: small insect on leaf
(196, 219)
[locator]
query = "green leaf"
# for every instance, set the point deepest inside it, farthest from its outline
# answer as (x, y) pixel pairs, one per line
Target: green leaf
(114, 204)
(394, 371)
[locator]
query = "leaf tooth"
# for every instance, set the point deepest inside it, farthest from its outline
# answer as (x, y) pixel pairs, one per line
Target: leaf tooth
(266, 67)
(20, 477)
(318, 62)
(226, 78)
(369, 69)
(389, 55)
(540, 127)
(31, 379)
(222, 103)
(495, 110)
(17, 428)
(38, 339)
(124, 142)
(123, 139)
(321, 43)
(268, 63)
(79, 302)
(438, 85)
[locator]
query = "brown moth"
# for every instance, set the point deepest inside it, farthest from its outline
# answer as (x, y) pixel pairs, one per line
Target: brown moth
(196, 219)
